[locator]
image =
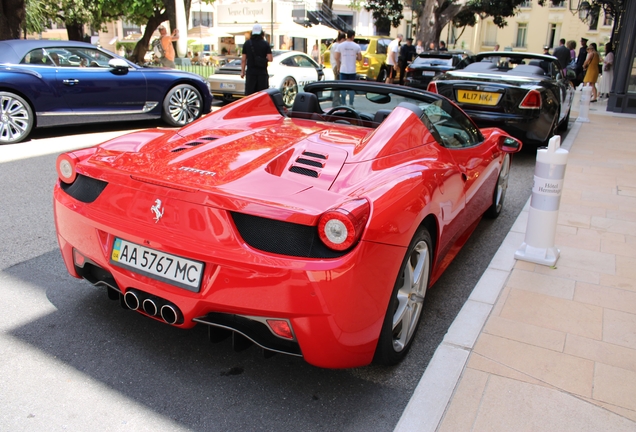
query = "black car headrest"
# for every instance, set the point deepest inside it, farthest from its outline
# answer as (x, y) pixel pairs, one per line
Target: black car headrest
(380, 115)
(305, 103)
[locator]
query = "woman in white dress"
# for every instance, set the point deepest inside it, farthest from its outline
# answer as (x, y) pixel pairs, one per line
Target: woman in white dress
(608, 71)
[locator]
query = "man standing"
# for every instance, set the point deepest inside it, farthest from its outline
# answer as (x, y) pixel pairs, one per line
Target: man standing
(256, 54)
(580, 59)
(332, 58)
(407, 52)
(392, 53)
(347, 54)
(562, 53)
(335, 100)
(442, 46)
(168, 49)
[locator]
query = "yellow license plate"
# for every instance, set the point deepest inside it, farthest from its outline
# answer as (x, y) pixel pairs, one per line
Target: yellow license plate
(478, 97)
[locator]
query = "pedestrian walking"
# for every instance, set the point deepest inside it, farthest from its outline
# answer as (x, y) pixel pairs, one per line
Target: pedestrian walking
(407, 53)
(348, 53)
(256, 54)
(393, 51)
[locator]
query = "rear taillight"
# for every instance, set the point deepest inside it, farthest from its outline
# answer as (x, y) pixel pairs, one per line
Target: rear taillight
(341, 227)
(65, 166)
(365, 61)
(432, 87)
(66, 163)
(531, 101)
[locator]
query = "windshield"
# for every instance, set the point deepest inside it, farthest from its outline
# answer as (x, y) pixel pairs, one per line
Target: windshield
(427, 61)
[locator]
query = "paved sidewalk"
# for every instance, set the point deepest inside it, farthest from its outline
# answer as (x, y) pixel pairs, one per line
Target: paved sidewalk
(539, 348)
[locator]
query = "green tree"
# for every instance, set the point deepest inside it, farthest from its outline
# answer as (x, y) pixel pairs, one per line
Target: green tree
(35, 19)
(386, 13)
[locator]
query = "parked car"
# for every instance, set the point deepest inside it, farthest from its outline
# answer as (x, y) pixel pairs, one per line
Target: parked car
(373, 66)
(525, 94)
(312, 232)
(430, 63)
(51, 83)
(288, 71)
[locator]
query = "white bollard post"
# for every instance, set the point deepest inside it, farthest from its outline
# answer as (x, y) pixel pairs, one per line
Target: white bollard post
(584, 105)
(549, 173)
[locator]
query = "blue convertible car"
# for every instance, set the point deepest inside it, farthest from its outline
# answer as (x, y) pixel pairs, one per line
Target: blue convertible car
(51, 83)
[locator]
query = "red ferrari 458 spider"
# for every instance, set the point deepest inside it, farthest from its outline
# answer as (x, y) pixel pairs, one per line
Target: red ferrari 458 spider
(313, 232)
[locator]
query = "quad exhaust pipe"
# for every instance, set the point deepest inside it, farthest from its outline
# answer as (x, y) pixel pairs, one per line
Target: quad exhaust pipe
(153, 306)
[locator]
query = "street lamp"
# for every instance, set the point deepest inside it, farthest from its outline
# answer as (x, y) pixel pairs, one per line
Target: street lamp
(583, 8)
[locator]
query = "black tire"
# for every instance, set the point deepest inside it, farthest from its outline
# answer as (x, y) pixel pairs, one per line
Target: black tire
(289, 91)
(407, 301)
(16, 118)
(564, 124)
(383, 74)
(182, 105)
(501, 187)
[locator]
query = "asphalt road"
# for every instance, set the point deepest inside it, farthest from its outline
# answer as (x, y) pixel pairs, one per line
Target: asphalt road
(70, 359)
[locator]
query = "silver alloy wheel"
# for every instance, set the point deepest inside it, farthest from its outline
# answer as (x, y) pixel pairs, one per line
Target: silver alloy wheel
(182, 105)
(410, 295)
(16, 119)
(502, 183)
(289, 91)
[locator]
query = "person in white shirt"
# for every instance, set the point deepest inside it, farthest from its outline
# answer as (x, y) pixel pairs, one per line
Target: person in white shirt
(419, 49)
(393, 51)
(347, 54)
(335, 66)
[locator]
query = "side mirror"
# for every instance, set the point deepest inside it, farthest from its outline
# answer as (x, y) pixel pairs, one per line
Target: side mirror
(508, 144)
(118, 65)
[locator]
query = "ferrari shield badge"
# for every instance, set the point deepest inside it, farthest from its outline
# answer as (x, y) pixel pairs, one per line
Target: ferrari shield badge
(157, 210)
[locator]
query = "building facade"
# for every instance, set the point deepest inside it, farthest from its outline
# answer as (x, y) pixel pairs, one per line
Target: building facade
(532, 28)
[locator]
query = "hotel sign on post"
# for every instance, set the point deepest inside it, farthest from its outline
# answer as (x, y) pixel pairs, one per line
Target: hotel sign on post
(244, 13)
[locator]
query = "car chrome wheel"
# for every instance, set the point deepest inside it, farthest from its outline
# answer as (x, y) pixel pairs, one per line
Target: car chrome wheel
(16, 118)
(182, 105)
(407, 301)
(411, 296)
(289, 91)
(500, 189)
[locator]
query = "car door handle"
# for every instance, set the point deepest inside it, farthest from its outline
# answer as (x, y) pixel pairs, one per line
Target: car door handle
(70, 82)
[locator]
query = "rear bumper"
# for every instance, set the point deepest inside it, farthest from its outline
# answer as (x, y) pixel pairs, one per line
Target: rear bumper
(532, 127)
(335, 307)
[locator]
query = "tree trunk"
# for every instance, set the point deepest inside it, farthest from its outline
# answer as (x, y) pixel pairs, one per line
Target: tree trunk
(12, 15)
(142, 46)
(432, 18)
(75, 31)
